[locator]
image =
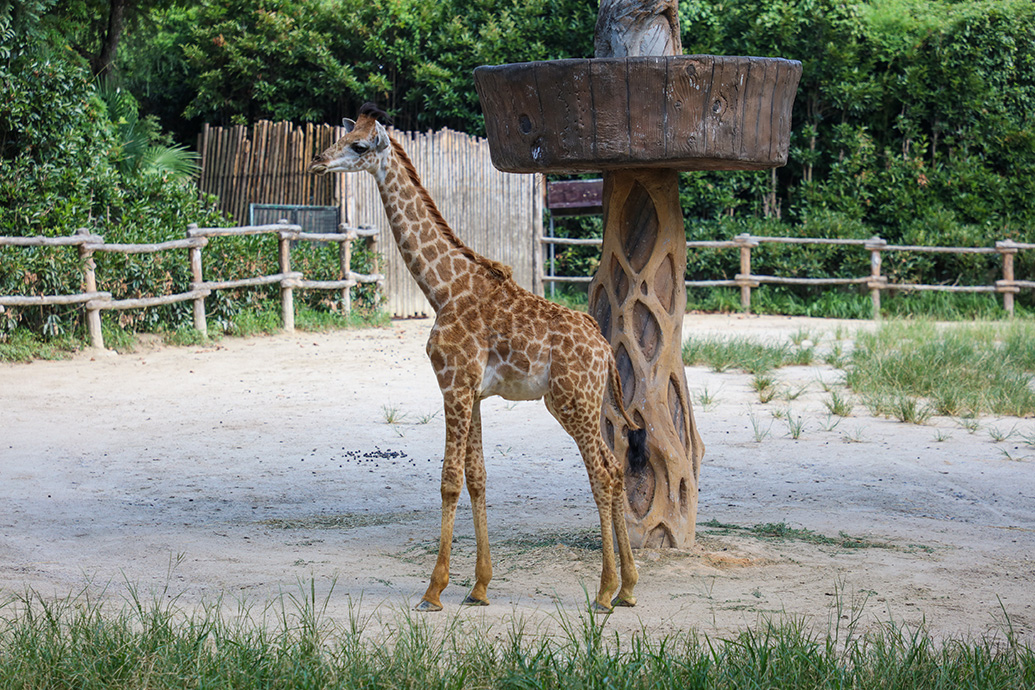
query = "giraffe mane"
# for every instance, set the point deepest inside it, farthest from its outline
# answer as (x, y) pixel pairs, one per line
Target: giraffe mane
(498, 270)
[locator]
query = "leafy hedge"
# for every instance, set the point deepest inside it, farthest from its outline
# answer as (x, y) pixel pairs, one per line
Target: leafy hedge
(914, 121)
(62, 167)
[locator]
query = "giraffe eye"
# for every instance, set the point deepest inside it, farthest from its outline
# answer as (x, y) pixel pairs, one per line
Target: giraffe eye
(360, 148)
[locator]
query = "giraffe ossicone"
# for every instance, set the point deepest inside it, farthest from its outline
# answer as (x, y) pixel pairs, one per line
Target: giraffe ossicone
(493, 337)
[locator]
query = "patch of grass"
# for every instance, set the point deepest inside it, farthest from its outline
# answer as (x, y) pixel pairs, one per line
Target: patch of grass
(706, 398)
(840, 405)
(734, 352)
(835, 357)
(800, 336)
(758, 432)
(781, 531)
(969, 423)
(320, 321)
(999, 434)
(392, 414)
(572, 299)
(579, 540)
(765, 386)
(426, 418)
(961, 370)
(909, 410)
(117, 338)
(24, 346)
(293, 643)
(856, 435)
(184, 336)
(341, 521)
(255, 321)
(795, 424)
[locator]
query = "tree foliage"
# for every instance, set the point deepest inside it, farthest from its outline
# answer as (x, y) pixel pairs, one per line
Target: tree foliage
(914, 120)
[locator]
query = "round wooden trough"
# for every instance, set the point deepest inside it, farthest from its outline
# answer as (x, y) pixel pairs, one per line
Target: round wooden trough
(683, 112)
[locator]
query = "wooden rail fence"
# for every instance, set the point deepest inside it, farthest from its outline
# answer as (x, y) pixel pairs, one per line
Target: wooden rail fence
(95, 301)
(1008, 286)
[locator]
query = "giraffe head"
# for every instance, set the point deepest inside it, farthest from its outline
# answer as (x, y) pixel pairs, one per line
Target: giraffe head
(363, 147)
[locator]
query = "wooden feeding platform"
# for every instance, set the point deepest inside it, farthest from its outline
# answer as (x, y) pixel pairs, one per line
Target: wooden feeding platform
(683, 112)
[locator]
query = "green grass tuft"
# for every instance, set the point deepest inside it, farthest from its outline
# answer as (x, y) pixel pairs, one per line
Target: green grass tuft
(962, 371)
(293, 644)
(724, 354)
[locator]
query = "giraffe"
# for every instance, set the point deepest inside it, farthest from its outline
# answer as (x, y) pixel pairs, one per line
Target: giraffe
(493, 337)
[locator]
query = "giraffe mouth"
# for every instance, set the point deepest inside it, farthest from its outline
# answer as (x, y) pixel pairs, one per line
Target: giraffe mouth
(318, 168)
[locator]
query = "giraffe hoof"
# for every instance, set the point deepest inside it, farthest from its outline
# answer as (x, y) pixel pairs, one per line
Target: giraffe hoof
(471, 601)
(426, 606)
(601, 608)
(624, 601)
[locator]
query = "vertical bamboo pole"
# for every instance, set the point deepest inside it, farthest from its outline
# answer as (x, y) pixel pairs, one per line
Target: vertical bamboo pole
(877, 281)
(538, 193)
(93, 316)
(1008, 249)
(200, 321)
(287, 293)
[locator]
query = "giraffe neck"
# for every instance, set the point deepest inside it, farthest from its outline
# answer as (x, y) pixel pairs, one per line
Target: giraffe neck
(441, 264)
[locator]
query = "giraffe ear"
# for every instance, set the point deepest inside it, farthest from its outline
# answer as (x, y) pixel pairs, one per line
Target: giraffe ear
(348, 124)
(382, 137)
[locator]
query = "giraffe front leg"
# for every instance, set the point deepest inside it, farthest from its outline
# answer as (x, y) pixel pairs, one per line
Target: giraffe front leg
(458, 418)
(474, 472)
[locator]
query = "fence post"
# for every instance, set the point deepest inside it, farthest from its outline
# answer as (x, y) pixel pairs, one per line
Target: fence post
(200, 319)
(287, 293)
(877, 281)
(1008, 248)
(93, 316)
(743, 278)
(345, 256)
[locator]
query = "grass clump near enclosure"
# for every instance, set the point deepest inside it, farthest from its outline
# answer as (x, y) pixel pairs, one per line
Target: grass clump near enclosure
(292, 643)
(260, 319)
(959, 371)
(733, 352)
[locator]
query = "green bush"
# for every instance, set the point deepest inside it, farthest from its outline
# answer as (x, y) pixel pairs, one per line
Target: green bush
(71, 159)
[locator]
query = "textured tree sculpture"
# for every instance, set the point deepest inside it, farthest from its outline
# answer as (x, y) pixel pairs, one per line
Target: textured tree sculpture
(640, 118)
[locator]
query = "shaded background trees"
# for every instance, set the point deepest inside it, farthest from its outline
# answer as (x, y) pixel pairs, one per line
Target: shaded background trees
(913, 121)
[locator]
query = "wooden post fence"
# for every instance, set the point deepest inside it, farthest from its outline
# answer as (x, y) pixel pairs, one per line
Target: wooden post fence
(877, 283)
(96, 301)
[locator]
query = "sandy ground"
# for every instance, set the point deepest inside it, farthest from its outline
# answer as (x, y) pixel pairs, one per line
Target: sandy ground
(246, 468)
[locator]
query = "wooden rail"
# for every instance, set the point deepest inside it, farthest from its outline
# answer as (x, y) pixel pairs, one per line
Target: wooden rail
(95, 301)
(1008, 286)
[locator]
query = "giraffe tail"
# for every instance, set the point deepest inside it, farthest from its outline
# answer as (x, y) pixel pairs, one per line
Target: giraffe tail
(637, 437)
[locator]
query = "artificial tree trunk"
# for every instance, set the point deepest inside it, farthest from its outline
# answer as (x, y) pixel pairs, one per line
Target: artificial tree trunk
(638, 298)
(640, 118)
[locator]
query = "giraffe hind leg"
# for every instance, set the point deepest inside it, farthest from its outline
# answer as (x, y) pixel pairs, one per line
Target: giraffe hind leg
(580, 418)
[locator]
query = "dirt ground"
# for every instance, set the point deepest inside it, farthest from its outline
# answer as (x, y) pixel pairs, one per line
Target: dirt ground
(243, 469)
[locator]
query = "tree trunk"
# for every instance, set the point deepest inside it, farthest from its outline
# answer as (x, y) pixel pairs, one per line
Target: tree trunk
(638, 297)
(102, 64)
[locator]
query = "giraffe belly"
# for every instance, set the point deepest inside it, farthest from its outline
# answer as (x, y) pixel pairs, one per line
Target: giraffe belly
(510, 383)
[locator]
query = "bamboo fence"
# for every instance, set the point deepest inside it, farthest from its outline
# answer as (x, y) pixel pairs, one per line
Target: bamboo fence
(497, 214)
(877, 283)
(96, 301)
